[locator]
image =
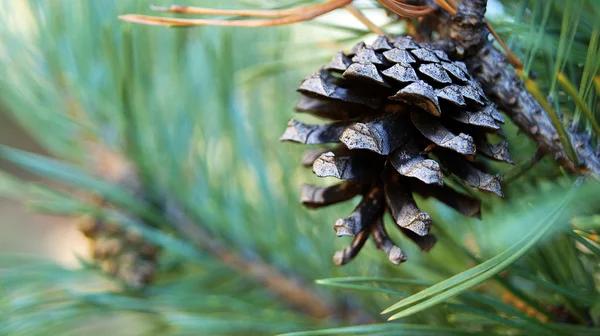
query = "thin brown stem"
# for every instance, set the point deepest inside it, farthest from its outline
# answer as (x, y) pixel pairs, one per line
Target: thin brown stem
(407, 11)
(232, 12)
(307, 13)
(447, 6)
(510, 56)
(365, 20)
(229, 12)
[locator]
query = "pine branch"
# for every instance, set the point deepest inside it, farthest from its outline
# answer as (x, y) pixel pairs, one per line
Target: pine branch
(289, 289)
(296, 294)
(467, 39)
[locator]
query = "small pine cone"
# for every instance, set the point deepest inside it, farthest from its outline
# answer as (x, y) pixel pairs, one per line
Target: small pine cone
(123, 253)
(120, 252)
(402, 114)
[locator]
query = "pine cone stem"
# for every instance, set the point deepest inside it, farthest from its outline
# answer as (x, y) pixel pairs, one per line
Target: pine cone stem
(468, 34)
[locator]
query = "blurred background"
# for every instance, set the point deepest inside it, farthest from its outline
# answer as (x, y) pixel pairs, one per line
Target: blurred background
(28, 231)
(135, 128)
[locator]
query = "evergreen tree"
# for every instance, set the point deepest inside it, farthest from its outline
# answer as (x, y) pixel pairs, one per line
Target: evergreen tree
(164, 143)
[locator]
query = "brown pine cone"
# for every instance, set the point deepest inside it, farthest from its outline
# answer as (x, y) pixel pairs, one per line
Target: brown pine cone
(403, 115)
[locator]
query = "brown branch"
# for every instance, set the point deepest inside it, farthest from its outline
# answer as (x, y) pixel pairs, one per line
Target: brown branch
(288, 289)
(468, 40)
(407, 11)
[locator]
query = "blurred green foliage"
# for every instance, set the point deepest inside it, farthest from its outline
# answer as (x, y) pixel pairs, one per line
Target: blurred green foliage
(199, 112)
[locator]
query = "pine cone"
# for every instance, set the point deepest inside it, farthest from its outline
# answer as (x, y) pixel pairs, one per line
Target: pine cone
(121, 253)
(405, 115)
(118, 251)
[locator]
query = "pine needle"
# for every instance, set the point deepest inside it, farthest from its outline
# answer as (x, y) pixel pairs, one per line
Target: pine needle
(533, 88)
(579, 101)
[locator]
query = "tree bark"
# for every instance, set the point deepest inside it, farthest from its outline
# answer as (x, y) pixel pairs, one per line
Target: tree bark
(466, 38)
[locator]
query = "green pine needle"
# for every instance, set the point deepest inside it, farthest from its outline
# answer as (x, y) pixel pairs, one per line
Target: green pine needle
(476, 275)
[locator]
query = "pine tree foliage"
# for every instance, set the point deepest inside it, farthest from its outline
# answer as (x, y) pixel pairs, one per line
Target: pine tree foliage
(198, 113)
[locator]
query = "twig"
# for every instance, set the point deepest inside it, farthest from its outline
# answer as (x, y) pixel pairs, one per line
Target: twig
(299, 15)
(232, 12)
(407, 11)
